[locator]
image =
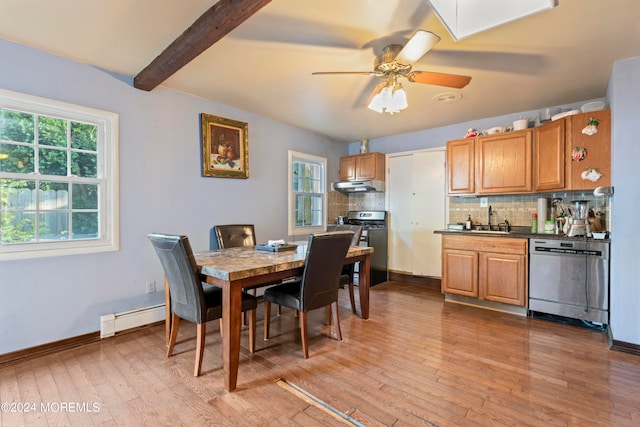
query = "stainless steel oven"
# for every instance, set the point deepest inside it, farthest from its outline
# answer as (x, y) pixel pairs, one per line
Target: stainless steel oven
(374, 234)
(569, 278)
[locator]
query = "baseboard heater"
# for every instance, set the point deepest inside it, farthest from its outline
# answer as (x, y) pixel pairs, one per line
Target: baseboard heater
(118, 322)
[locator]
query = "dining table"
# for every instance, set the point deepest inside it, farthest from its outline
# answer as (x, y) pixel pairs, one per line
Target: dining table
(235, 269)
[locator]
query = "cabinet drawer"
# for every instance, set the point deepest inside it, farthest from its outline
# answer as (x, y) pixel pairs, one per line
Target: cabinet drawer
(486, 244)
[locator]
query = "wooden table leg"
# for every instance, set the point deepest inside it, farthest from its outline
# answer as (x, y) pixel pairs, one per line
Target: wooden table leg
(231, 319)
(364, 280)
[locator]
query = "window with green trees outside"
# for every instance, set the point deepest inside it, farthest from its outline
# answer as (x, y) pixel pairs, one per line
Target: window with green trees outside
(56, 182)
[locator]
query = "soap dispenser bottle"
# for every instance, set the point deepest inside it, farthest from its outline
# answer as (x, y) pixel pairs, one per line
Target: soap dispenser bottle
(468, 224)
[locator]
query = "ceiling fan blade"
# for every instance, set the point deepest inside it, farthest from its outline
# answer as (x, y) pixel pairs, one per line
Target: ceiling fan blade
(366, 73)
(420, 43)
(439, 79)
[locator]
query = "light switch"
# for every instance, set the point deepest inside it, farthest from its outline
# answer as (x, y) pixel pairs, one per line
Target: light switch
(484, 202)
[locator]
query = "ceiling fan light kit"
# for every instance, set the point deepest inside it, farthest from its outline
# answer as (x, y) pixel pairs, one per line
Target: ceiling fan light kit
(391, 99)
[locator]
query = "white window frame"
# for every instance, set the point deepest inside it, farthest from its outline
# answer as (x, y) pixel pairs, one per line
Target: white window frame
(292, 228)
(108, 176)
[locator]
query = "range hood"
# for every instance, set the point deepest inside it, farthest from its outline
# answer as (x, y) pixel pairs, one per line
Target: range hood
(359, 186)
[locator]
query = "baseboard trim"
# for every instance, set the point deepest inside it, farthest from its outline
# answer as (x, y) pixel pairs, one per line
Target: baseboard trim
(46, 349)
(430, 282)
(57, 346)
(625, 347)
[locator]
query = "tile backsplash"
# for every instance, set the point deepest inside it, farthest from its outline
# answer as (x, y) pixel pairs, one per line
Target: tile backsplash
(518, 208)
(341, 204)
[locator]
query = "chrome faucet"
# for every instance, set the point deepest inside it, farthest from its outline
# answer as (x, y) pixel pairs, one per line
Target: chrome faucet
(507, 225)
(490, 217)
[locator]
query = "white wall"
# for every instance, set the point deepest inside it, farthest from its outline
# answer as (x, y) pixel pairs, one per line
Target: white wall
(624, 96)
(46, 300)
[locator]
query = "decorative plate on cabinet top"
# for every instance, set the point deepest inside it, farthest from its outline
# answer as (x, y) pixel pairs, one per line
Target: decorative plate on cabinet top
(565, 114)
(593, 106)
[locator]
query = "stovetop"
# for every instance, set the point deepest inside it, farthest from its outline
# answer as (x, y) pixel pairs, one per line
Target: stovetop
(368, 219)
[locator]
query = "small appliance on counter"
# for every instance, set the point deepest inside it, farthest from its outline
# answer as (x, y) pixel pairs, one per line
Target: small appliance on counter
(578, 222)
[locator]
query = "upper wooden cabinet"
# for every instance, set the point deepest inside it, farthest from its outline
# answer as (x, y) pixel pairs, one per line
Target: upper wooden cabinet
(461, 166)
(549, 157)
(598, 150)
(554, 167)
(362, 167)
(503, 163)
(533, 160)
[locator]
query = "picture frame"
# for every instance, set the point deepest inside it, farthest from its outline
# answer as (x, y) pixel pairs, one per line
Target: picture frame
(225, 147)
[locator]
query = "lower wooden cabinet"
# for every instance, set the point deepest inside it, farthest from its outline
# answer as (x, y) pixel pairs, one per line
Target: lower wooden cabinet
(487, 268)
(460, 272)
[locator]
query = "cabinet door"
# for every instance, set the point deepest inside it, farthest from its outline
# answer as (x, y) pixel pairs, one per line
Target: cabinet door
(503, 163)
(598, 148)
(549, 156)
(503, 278)
(460, 166)
(460, 272)
(348, 168)
(370, 166)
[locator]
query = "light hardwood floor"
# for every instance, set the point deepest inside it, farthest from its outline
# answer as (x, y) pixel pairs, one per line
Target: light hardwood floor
(417, 361)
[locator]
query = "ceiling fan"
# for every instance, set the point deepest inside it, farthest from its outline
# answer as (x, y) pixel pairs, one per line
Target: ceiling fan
(397, 61)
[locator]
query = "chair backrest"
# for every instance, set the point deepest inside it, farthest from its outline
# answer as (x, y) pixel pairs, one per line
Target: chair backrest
(324, 260)
(235, 235)
(357, 231)
(181, 270)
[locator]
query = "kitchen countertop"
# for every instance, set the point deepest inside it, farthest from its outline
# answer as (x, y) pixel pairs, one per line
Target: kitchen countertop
(518, 234)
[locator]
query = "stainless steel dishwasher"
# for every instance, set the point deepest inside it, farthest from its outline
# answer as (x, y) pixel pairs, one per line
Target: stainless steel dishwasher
(569, 278)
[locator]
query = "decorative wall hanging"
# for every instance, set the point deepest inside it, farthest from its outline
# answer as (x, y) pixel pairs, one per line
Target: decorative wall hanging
(591, 128)
(225, 147)
(578, 154)
(591, 174)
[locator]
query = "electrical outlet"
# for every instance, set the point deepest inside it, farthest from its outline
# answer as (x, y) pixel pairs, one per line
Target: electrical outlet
(151, 287)
(484, 202)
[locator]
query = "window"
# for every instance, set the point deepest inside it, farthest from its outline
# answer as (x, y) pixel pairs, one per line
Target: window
(307, 195)
(58, 178)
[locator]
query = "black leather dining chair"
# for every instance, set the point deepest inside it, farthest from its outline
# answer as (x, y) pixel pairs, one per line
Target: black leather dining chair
(238, 235)
(235, 235)
(191, 299)
(318, 285)
(348, 271)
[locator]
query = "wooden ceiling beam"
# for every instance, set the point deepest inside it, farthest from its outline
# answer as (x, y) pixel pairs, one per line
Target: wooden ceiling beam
(213, 25)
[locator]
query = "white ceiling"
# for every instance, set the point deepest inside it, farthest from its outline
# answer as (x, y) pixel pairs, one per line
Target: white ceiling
(264, 66)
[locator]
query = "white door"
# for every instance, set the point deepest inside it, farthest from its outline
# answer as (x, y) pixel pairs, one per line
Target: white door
(417, 207)
(429, 212)
(400, 220)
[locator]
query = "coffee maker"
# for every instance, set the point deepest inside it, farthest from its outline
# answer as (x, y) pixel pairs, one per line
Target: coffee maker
(579, 220)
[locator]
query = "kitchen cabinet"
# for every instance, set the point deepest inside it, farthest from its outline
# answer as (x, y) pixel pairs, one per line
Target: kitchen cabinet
(549, 156)
(533, 160)
(487, 268)
(598, 149)
(461, 166)
(554, 167)
(503, 163)
(362, 167)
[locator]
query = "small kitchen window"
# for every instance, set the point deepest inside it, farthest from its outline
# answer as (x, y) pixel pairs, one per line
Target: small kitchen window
(58, 178)
(307, 193)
